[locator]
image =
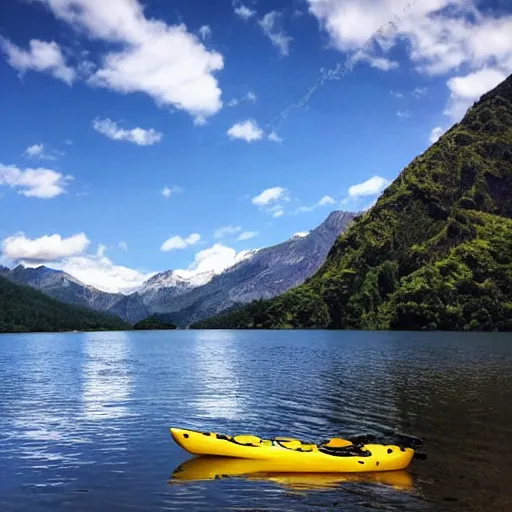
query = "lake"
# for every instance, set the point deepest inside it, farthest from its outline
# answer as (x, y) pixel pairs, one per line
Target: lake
(85, 417)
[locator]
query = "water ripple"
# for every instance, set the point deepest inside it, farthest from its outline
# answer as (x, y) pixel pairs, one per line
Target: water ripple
(84, 417)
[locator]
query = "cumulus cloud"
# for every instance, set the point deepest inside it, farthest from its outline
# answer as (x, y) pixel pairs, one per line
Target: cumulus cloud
(435, 134)
(226, 231)
(166, 62)
(270, 195)
(68, 255)
(169, 191)
(178, 242)
(41, 56)
(246, 130)
(247, 235)
(35, 150)
(44, 249)
(41, 183)
(465, 90)
(270, 25)
(101, 273)
(138, 136)
(440, 36)
(371, 187)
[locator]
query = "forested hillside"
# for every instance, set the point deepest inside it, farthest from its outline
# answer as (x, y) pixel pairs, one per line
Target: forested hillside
(24, 309)
(435, 252)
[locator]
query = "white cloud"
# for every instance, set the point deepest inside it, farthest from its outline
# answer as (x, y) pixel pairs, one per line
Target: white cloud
(375, 62)
(465, 90)
(226, 231)
(166, 62)
(278, 213)
(440, 36)
(270, 195)
(278, 37)
(123, 246)
(324, 201)
(46, 248)
(251, 97)
(38, 151)
(178, 242)
(397, 94)
(169, 191)
(274, 137)
(435, 134)
(101, 273)
(41, 183)
(35, 150)
(42, 56)
(246, 130)
(370, 187)
(67, 254)
(404, 114)
(244, 12)
(205, 32)
(214, 259)
(138, 136)
(301, 234)
(247, 235)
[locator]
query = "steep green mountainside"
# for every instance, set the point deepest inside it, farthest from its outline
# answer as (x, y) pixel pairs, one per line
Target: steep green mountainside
(435, 252)
(24, 309)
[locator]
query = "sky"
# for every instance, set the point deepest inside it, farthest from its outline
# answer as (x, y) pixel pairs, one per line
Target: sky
(144, 135)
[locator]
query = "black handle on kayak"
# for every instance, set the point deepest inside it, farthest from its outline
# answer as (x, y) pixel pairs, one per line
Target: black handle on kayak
(394, 437)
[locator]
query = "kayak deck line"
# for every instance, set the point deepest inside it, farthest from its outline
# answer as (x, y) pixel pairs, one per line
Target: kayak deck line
(293, 455)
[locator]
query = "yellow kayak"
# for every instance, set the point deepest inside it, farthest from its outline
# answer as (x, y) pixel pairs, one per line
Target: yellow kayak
(207, 467)
(292, 455)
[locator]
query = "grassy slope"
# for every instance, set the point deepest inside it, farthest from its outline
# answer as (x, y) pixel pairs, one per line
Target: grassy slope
(435, 252)
(24, 309)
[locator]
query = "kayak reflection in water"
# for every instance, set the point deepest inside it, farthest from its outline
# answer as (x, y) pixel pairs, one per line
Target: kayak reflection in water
(214, 468)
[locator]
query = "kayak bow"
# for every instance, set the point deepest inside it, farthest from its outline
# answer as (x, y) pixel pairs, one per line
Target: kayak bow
(293, 455)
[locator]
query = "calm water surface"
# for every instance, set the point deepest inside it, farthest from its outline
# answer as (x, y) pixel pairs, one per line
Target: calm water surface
(84, 418)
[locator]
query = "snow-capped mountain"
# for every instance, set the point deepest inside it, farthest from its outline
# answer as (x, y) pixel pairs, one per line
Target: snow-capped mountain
(190, 295)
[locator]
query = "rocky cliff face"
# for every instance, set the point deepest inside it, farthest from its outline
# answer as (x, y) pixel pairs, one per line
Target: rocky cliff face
(263, 274)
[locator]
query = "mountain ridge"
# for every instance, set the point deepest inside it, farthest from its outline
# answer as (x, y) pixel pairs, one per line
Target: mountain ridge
(434, 252)
(25, 309)
(262, 272)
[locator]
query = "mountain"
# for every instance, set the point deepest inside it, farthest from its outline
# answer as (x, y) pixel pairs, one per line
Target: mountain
(187, 296)
(434, 252)
(66, 288)
(24, 309)
(259, 274)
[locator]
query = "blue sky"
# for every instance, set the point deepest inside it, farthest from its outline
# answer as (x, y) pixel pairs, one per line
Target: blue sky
(136, 134)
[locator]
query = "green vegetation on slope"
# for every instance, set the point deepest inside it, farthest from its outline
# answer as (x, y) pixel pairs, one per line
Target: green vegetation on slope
(24, 309)
(435, 252)
(153, 322)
